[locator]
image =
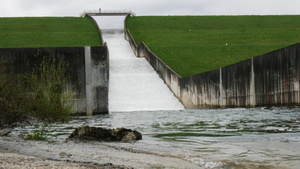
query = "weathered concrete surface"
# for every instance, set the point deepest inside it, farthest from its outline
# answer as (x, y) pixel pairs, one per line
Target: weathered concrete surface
(202, 89)
(100, 78)
(266, 80)
(20, 60)
(235, 85)
(277, 77)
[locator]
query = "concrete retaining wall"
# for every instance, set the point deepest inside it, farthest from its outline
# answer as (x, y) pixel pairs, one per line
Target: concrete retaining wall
(277, 77)
(266, 80)
(89, 71)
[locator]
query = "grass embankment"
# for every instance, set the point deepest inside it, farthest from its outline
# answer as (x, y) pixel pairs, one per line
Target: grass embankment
(195, 44)
(48, 32)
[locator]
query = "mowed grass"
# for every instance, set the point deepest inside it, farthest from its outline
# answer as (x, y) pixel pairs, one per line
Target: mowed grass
(195, 44)
(48, 32)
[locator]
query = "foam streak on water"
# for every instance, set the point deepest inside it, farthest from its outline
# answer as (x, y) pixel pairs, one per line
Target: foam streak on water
(133, 83)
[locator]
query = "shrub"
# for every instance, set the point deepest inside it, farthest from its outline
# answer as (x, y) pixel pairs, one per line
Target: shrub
(48, 101)
(12, 97)
(37, 135)
(43, 93)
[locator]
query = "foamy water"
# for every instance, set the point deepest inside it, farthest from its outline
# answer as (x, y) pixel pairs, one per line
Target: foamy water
(133, 83)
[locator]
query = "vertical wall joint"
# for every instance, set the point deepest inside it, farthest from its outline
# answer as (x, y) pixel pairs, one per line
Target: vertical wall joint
(88, 80)
(252, 86)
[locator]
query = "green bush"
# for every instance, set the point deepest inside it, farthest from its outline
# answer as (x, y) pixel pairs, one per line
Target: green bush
(37, 135)
(47, 99)
(12, 97)
(42, 93)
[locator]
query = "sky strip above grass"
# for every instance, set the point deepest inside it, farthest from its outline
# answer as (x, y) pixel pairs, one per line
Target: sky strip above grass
(48, 32)
(195, 44)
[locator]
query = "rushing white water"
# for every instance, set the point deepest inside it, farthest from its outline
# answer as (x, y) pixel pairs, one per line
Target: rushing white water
(133, 83)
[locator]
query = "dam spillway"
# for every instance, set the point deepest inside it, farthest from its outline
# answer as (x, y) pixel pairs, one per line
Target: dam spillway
(133, 83)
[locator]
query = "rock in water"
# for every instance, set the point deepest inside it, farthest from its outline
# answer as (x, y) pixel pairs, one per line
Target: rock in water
(103, 134)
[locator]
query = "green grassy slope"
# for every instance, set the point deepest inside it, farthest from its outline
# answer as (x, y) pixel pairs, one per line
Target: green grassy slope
(48, 32)
(195, 44)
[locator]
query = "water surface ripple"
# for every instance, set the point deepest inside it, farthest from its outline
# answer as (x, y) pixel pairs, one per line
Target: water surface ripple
(232, 136)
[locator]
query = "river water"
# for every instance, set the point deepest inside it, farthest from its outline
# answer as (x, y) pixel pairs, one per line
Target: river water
(211, 138)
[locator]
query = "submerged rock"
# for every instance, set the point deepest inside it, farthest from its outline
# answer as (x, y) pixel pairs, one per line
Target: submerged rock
(5, 133)
(103, 134)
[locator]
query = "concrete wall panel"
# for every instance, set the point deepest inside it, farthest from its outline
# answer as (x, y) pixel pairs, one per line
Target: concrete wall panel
(99, 62)
(277, 77)
(236, 80)
(20, 60)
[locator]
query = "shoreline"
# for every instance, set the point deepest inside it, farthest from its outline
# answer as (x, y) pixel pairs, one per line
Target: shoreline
(16, 152)
(10, 159)
(16, 160)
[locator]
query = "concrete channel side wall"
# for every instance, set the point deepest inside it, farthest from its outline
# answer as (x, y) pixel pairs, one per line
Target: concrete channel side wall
(266, 80)
(89, 72)
(170, 77)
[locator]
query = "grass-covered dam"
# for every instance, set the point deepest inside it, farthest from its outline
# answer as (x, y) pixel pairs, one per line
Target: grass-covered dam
(246, 61)
(207, 61)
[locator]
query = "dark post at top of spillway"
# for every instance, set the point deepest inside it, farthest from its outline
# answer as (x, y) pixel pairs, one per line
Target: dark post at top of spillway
(107, 13)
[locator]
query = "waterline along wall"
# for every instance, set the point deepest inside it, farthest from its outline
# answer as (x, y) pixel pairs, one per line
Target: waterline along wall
(266, 80)
(89, 72)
